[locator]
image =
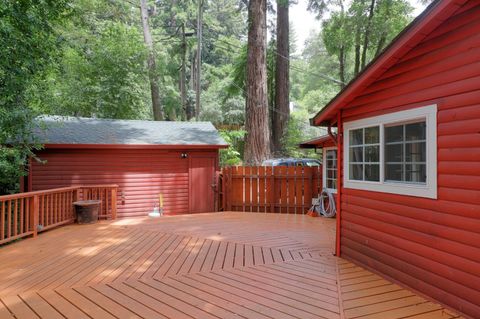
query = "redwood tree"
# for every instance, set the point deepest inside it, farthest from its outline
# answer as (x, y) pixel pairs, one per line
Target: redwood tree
(281, 112)
(257, 140)
(154, 86)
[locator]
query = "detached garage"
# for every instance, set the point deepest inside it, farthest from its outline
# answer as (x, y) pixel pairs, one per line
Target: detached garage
(174, 161)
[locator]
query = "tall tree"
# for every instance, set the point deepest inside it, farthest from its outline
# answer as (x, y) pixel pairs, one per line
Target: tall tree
(281, 111)
(257, 141)
(152, 67)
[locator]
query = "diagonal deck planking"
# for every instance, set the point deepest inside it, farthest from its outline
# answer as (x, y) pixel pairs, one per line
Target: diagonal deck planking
(223, 265)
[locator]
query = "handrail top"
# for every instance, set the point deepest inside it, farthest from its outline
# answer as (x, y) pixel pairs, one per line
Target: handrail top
(53, 190)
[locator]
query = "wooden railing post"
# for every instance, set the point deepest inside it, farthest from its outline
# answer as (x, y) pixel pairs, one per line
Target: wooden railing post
(34, 214)
(114, 203)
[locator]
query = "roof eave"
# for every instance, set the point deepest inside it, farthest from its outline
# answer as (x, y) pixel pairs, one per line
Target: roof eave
(136, 146)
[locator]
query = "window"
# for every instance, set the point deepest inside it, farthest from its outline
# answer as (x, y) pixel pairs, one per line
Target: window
(393, 153)
(330, 169)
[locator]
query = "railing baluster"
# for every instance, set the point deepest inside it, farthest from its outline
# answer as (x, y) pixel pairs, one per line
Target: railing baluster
(9, 219)
(26, 211)
(35, 212)
(21, 215)
(2, 221)
(15, 217)
(114, 202)
(46, 217)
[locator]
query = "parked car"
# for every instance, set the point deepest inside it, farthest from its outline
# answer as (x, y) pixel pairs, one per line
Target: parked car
(292, 162)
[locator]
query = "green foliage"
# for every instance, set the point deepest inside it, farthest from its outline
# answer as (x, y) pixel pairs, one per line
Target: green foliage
(101, 75)
(233, 154)
(298, 130)
(88, 58)
(28, 43)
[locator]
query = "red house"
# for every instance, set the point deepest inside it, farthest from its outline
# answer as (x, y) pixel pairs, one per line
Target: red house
(408, 152)
(146, 159)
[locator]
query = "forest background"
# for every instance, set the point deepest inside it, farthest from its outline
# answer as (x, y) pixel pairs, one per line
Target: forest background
(138, 59)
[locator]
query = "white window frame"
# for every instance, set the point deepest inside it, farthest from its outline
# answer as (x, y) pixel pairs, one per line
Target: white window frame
(429, 189)
(324, 168)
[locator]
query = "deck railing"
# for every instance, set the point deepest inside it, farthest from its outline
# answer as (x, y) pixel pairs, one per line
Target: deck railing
(26, 214)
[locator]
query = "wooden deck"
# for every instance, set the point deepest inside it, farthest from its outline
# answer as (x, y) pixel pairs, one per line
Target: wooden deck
(222, 265)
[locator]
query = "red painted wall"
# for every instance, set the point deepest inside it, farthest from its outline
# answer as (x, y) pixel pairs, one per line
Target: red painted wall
(140, 173)
(430, 245)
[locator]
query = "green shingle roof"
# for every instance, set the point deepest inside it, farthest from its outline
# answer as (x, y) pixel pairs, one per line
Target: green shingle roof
(78, 130)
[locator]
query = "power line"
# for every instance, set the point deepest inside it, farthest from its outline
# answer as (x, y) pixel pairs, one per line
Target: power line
(323, 76)
(270, 107)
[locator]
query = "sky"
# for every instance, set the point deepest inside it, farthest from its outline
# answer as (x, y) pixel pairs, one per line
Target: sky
(304, 21)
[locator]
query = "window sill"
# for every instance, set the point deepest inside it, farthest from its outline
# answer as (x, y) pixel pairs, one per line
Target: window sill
(394, 188)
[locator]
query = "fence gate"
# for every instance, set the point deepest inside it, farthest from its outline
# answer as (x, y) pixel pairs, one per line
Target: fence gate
(280, 189)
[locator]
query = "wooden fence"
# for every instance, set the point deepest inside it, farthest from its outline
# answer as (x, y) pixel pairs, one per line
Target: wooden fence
(280, 189)
(26, 214)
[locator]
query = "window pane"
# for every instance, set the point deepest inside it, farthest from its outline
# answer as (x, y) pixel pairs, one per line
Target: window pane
(372, 135)
(331, 164)
(356, 154)
(393, 172)
(331, 154)
(356, 172)
(372, 172)
(329, 183)
(394, 153)
(331, 173)
(416, 152)
(372, 153)
(415, 131)
(356, 137)
(394, 134)
(416, 173)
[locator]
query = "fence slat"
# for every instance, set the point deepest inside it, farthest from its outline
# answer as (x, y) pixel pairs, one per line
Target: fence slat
(299, 206)
(262, 190)
(307, 187)
(254, 185)
(247, 173)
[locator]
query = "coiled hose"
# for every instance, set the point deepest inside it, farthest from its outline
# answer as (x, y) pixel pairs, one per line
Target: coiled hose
(326, 207)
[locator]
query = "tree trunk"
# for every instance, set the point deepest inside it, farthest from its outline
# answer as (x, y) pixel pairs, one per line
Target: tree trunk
(154, 87)
(199, 59)
(281, 112)
(193, 84)
(366, 39)
(383, 38)
(257, 140)
(341, 59)
(358, 35)
(182, 80)
(357, 50)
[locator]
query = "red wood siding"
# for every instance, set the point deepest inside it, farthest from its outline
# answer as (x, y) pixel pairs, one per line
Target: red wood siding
(141, 175)
(430, 245)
